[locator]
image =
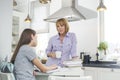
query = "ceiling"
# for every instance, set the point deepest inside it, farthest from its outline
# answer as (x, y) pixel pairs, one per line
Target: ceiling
(22, 6)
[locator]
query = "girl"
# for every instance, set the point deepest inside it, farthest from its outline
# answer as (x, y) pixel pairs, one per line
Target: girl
(24, 57)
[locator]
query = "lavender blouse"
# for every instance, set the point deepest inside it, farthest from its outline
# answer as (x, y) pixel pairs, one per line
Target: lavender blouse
(68, 48)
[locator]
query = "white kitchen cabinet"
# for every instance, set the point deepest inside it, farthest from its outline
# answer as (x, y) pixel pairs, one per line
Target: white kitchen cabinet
(18, 25)
(15, 32)
(90, 71)
(108, 74)
(102, 73)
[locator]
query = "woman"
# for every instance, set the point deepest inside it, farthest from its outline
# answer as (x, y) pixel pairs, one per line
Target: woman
(25, 58)
(64, 41)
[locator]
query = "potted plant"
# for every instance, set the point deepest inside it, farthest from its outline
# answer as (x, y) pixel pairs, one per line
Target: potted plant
(103, 46)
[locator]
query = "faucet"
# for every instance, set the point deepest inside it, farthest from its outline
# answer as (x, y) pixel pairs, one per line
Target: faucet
(81, 55)
(97, 55)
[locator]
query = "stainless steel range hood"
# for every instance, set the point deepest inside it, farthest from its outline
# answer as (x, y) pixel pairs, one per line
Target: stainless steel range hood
(68, 11)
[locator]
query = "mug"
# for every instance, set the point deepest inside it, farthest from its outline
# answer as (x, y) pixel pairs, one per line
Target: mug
(58, 54)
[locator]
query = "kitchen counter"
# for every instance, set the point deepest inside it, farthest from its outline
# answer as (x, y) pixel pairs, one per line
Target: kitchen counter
(102, 64)
(76, 71)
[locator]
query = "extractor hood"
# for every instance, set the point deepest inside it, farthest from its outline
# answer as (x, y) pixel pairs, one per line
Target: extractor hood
(70, 11)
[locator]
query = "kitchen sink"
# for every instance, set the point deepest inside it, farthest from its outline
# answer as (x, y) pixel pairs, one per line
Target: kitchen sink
(102, 62)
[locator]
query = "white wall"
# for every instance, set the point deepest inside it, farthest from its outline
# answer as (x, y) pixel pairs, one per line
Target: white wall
(6, 8)
(5, 27)
(40, 11)
(86, 31)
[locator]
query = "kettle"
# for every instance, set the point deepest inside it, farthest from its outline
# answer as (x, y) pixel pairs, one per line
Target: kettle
(85, 57)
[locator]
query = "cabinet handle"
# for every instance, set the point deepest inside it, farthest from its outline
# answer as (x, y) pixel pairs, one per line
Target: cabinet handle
(112, 70)
(83, 68)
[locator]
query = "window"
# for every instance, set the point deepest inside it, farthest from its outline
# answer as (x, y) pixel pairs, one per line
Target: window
(41, 27)
(42, 45)
(38, 23)
(112, 26)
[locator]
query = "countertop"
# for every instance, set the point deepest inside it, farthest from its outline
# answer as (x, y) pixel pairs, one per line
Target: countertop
(75, 72)
(102, 64)
(65, 71)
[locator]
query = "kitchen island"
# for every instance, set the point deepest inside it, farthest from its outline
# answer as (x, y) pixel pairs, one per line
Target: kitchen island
(103, 70)
(72, 71)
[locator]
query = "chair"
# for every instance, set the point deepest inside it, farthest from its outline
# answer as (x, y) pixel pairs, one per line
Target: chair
(6, 76)
(69, 78)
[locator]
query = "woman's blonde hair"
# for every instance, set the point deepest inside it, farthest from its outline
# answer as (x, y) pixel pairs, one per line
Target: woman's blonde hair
(63, 21)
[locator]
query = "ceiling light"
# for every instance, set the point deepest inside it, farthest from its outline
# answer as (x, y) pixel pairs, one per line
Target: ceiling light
(14, 3)
(101, 6)
(28, 19)
(44, 1)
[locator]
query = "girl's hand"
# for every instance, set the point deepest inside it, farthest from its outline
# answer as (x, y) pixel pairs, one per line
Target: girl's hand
(53, 67)
(34, 73)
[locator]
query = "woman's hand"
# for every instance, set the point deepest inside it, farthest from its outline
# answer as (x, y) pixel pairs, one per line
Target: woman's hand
(75, 58)
(52, 55)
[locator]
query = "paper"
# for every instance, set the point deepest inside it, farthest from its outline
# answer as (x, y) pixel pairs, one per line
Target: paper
(51, 71)
(59, 69)
(72, 63)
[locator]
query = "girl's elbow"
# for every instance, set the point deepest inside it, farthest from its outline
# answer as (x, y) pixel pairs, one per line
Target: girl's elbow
(43, 71)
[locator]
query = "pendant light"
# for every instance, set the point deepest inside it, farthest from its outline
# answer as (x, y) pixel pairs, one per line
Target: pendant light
(101, 6)
(28, 19)
(14, 3)
(44, 1)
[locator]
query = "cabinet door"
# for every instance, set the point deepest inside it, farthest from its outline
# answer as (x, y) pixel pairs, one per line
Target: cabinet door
(15, 32)
(109, 74)
(41, 77)
(88, 71)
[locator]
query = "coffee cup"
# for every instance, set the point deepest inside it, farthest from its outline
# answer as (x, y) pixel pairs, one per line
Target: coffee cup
(58, 54)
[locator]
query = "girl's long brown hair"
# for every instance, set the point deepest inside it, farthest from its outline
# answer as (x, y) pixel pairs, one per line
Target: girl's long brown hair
(25, 38)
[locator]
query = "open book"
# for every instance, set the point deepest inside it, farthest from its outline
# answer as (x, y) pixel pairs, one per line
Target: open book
(55, 70)
(72, 63)
(51, 71)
